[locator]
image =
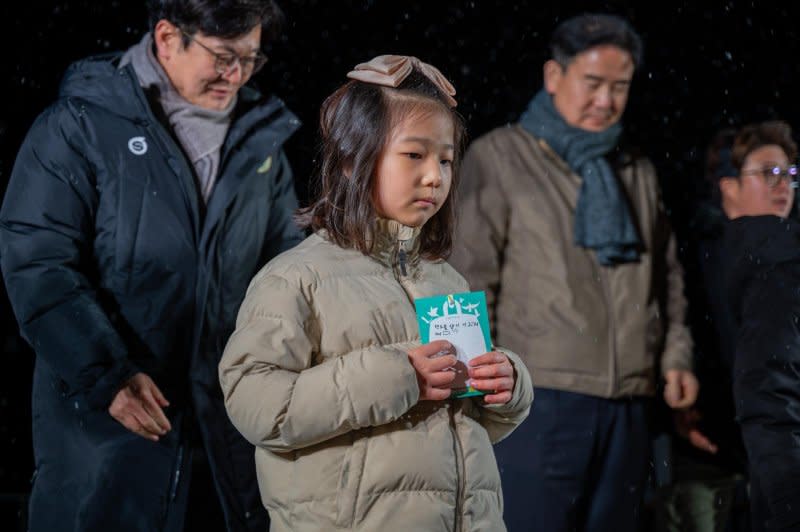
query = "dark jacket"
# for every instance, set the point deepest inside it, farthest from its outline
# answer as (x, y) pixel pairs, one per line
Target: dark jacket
(114, 265)
(714, 334)
(765, 296)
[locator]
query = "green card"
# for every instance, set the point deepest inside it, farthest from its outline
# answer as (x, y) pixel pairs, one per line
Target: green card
(462, 320)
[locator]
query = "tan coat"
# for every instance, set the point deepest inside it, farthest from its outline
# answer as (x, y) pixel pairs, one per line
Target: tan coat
(582, 327)
(317, 376)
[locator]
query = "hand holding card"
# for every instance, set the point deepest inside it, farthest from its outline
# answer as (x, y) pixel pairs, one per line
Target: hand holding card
(433, 363)
(462, 320)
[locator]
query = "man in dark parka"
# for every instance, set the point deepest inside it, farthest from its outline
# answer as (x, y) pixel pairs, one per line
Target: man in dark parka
(140, 205)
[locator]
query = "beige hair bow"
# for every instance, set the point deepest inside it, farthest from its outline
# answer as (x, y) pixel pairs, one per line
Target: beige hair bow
(391, 70)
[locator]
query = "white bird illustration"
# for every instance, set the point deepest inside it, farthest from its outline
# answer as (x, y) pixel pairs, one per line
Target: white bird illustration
(469, 307)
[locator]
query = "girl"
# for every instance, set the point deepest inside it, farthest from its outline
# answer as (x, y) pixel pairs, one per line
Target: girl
(325, 373)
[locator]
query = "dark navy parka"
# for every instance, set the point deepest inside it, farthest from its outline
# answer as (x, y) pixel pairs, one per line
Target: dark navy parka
(114, 265)
(764, 294)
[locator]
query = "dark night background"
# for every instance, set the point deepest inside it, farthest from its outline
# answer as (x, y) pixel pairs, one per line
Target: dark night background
(707, 65)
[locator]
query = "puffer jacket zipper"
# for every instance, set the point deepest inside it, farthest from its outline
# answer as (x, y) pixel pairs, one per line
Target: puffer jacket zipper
(459, 452)
(176, 476)
(401, 256)
(400, 266)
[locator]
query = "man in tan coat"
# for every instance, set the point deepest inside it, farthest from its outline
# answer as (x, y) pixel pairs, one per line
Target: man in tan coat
(565, 231)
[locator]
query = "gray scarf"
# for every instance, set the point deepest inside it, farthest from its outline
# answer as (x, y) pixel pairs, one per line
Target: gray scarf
(201, 132)
(603, 221)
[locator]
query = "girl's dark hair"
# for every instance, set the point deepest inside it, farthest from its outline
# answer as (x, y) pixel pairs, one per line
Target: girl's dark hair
(225, 19)
(754, 136)
(356, 122)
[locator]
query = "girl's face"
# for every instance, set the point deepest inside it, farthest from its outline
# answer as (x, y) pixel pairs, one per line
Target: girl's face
(415, 170)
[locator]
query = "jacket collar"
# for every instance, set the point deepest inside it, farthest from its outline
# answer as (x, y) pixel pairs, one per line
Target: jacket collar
(390, 238)
(756, 245)
(709, 221)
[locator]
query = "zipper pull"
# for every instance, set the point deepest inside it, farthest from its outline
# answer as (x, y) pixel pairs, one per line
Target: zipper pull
(401, 256)
(173, 492)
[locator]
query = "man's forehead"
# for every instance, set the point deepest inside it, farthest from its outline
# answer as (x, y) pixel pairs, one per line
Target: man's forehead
(607, 56)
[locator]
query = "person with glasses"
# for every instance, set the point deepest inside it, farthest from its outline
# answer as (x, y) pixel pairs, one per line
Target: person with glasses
(226, 62)
(765, 174)
(141, 204)
(762, 275)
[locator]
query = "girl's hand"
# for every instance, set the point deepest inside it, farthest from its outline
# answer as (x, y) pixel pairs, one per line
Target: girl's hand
(493, 372)
(433, 363)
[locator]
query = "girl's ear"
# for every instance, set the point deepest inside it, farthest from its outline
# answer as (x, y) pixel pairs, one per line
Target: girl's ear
(348, 165)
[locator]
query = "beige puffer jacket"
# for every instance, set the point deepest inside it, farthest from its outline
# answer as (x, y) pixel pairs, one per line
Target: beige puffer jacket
(317, 376)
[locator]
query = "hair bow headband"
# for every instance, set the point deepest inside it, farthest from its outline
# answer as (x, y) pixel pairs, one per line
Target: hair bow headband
(391, 70)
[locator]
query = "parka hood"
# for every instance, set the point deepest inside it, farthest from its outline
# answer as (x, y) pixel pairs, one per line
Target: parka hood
(100, 81)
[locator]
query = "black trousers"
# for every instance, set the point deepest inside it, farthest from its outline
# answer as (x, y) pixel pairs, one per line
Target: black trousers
(578, 463)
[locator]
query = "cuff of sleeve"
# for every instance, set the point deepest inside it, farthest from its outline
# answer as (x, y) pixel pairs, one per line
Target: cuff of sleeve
(106, 387)
(381, 386)
(679, 361)
(677, 353)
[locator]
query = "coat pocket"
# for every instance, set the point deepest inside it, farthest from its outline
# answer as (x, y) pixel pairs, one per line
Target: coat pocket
(350, 479)
(129, 212)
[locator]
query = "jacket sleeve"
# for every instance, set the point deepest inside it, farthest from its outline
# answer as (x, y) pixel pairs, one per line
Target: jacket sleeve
(280, 399)
(501, 420)
(482, 224)
(46, 238)
(677, 353)
(678, 341)
(284, 232)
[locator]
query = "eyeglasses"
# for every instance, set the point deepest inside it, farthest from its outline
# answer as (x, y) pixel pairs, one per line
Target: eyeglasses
(774, 174)
(225, 63)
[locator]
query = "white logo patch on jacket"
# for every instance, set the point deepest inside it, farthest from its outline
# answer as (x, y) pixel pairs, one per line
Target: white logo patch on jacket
(137, 145)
